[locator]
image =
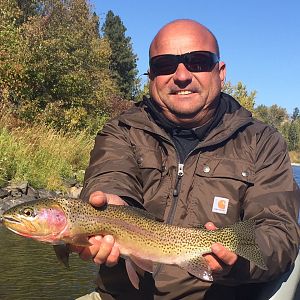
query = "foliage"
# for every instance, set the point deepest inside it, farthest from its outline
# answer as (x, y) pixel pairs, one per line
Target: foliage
(54, 66)
(240, 93)
(145, 91)
(295, 156)
(273, 115)
(42, 156)
(123, 60)
(296, 114)
(13, 53)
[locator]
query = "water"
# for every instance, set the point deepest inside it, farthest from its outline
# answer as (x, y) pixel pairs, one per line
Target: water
(296, 170)
(30, 270)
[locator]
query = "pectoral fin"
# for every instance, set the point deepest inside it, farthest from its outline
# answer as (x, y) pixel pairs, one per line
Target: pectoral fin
(62, 252)
(143, 264)
(81, 240)
(132, 273)
(198, 267)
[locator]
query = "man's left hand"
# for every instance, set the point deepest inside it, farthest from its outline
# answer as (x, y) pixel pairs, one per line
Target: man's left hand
(221, 259)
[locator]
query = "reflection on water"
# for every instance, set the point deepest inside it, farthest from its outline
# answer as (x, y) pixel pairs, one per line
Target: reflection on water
(30, 270)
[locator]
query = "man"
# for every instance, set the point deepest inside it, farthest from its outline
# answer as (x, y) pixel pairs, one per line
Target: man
(192, 155)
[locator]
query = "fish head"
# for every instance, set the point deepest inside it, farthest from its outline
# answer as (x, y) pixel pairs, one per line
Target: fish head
(41, 220)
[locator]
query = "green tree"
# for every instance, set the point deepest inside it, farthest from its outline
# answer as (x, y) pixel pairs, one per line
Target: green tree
(29, 9)
(68, 75)
(274, 115)
(123, 60)
(240, 93)
(13, 53)
(296, 114)
(293, 136)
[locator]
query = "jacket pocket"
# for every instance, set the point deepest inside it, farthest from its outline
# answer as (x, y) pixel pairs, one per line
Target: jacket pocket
(226, 168)
(221, 181)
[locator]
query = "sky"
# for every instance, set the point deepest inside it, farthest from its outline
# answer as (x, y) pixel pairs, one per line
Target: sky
(259, 40)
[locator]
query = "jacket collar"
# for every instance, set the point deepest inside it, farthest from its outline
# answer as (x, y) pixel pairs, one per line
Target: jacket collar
(234, 118)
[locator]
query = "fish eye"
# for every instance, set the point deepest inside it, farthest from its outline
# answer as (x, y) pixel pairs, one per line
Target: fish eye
(28, 212)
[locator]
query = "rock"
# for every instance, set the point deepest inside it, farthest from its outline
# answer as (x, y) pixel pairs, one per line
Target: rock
(26, 198)
(74, 192)
(22, 187)
(19, 187)
(70, 182)
(4, 193)
(32, 192)
(17, 193)
(46, 194)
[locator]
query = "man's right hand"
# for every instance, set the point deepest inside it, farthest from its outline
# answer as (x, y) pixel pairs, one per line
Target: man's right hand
(103, 249)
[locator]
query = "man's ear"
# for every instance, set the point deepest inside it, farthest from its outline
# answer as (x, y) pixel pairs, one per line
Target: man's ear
(222, 72)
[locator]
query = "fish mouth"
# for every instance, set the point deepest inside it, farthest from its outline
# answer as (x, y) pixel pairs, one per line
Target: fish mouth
(9, 220)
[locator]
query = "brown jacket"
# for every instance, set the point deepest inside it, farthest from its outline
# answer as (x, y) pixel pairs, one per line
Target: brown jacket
(242, 160)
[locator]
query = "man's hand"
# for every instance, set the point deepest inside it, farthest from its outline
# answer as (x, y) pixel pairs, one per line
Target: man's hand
(103, 248)
(221, 260)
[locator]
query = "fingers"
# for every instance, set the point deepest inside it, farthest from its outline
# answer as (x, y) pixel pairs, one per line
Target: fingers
(227, 257)
(102, 250)
(221, 260)
(99, 198)
(210, 226)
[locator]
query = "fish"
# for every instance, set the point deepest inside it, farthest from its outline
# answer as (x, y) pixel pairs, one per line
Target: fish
(143, 240)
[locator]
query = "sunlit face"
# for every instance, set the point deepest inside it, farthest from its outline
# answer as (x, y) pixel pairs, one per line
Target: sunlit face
(186, 98)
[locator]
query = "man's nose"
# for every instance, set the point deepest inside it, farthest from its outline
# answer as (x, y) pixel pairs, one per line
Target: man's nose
(182, 74)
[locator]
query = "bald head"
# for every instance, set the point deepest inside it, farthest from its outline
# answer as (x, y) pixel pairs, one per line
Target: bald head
(183, 36)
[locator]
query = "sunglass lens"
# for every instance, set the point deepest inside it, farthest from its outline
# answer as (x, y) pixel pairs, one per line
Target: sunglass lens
(199, 62)
(163, 65)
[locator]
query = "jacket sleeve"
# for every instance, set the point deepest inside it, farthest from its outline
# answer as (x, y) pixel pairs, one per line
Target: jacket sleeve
(273, 201)
(113, 168)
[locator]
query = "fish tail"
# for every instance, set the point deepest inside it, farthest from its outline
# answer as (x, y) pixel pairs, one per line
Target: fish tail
(246, 247)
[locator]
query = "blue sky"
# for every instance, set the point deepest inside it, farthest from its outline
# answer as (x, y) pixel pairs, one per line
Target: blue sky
(259, 39)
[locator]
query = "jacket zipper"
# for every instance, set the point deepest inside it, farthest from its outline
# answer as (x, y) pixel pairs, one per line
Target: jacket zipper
(176, 191)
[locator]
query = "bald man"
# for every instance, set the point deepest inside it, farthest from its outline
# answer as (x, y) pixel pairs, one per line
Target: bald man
(178, 154)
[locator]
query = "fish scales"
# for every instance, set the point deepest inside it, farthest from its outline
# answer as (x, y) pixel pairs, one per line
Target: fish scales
(126, 224)
(140, 237)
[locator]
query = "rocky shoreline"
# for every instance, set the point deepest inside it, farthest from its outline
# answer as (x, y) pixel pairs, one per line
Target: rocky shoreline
(14, 194)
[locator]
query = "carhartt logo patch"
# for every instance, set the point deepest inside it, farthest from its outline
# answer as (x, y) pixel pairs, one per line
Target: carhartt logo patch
(220, 205)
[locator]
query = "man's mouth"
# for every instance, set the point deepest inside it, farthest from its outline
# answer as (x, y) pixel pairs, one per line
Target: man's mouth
(183, 93)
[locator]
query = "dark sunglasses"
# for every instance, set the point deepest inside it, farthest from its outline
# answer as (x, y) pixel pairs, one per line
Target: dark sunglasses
(196, 61)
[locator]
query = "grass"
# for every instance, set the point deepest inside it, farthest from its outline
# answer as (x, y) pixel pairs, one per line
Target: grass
(44, 157)
(295, 156)
(40, 155)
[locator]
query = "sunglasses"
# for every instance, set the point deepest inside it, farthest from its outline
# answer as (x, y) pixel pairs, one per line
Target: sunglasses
(196, 61)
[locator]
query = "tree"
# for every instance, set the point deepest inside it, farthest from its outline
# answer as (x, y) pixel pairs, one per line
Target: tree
(54, 67)
(296, 114)
(29, 9)
(240, 93)
(13, 53)
(123, 60)
(293, 137)
(274, 115)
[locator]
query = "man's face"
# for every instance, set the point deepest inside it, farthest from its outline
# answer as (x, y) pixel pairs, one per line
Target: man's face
(186, 97)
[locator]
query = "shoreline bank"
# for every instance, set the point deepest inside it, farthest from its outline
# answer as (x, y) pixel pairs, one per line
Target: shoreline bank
(19, 193)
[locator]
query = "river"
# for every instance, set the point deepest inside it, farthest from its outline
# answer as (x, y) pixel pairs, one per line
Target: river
(30, 270)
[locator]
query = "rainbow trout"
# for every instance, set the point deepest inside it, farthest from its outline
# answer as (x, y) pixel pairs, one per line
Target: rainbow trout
(142, 239)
